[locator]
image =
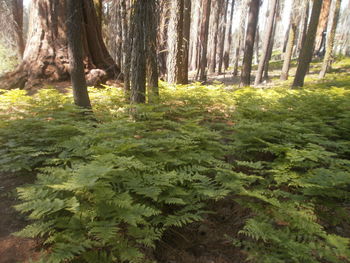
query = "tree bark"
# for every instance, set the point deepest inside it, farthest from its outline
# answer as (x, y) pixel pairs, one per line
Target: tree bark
(75, 51)
(249, 43)
(214, 21)
(267, 41)
(175, 42)
(186, 40)
(126, 44)
(322, 26)
(152, 61)
(204, 40)
(307, 49)
(294, 22)
(330, 37)
(46, 54)
(17, 13)
(228, 40)
(138, 55)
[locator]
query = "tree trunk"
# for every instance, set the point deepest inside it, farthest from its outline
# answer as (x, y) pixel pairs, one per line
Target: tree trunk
(186, 40)
(222, 34)
(228, 39)
(267, 41)
(75, 51)
(152, 61)
(322, 26)
(204, 40)
(138, 54)
(17, 13)
(99, 13)
(241, 35)
(294, 23)
(194, 41)
(303, 32)
(249, 43)
(307, 49)
(330, 37)
(175, 42)
(214, 21)
(46, 53)
(126, 44)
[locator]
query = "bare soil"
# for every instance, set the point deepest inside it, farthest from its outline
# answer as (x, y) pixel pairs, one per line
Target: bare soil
(13, 249)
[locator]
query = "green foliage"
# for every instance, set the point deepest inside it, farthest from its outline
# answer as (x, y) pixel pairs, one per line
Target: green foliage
(106, 190)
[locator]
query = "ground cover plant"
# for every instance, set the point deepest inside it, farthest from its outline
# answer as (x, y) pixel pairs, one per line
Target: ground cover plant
(108, 188)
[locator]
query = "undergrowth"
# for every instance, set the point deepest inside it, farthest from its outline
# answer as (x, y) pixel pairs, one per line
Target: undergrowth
(107, 190)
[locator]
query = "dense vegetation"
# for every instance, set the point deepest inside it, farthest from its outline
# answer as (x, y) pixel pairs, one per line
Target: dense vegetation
(109, 186)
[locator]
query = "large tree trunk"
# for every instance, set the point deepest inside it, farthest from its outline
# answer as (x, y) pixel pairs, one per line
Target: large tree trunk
(267, 41)
(253, 18)
(308, 47)
(330, 37)
(175, 42)
(17, 13)
(46, 53)
(75, 50)
(151, 43)
(204, 40)
(222, 34)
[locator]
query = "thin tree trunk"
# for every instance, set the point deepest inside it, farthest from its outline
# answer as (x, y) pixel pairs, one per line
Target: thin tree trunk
(75, 51)
(204, 40)
(138, 54)
(330, 38)
(292, 33)
(305, 26)
(215, 17)
(186, 40)
(126, 44)
(228, 39)
(249, 43)
(152, 61)
(267, 41)
(307, 49)
(17, 13)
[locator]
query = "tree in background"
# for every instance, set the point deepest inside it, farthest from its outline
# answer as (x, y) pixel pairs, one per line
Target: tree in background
(17, 13)
(332, 27)
(321, 28)
(249, 42)
(175, 42)
(293, 26)
(308, 47)
(203, 43)
(46, 53)
(267, 40)
(75, 51)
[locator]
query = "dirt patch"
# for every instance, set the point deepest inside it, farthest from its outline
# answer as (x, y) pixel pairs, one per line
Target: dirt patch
(13, 249)
(207, 241)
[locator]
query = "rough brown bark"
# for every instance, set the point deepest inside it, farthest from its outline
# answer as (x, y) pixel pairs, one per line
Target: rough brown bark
(75, 51)
(138, 54)
(334, 17)
(46, 53)
(152, 61)
(267, 40)
(322, 25)
(175, 42)
(306, 51)
(249, 43)
(17, 13)
(204, 40)
(126, 44)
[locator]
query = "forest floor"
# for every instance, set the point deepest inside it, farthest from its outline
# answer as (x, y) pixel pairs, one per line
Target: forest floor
(204, 242)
